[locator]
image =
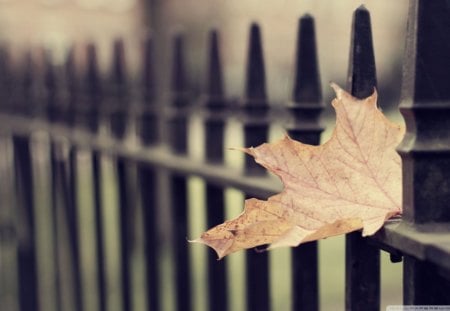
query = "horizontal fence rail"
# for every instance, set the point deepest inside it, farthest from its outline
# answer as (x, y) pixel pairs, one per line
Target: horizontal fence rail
(96, 174)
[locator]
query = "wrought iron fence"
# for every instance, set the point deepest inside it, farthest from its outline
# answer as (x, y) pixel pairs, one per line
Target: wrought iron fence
(69, 113)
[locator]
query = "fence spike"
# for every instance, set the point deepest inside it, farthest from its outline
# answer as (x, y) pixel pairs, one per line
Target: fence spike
(51, 86)
(148, 125)
(26, 97)
(362, 77)
(120, 104)
(215, 102)
(256, 125)
(49, 72)
(92, 89)
(148, 74)
(362, 260)
(70, 70)
(255, 105)
(307, 81)
(215, 105)
(215, 84)
(305, 110)
(178, 140)
(256, 76)
(180, 100)
(179, 84)
(118, 72)
(92, 76)
(306, 105)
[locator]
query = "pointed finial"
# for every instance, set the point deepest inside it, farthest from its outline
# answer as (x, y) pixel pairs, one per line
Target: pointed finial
(215, 84)
(118, 74)
(92, 78)
(70, 69)
(49, 72)
(362, 77)
(307, 79)
(148, 78)
(178, 70)
(306, 105)
(256, 76)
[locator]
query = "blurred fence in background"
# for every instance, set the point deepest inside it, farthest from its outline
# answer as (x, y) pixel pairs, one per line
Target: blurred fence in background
(97, 198)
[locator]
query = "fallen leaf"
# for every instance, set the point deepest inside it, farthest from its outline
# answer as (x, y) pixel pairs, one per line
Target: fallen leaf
(351, 182)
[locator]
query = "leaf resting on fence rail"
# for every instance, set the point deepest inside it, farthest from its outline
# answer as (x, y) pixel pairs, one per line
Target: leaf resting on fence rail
(351, 182)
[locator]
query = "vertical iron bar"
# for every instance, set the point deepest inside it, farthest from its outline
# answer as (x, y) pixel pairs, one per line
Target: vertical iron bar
(178, 142)
(362, 263)
(423, 284)
(178, 189)
(27, 257)
(148, 190)
(99, 227)
(125, 230)
(425, 150)
(256, 133)
(64, 187)
(119, 105)
(148, 127)
(118, 102)
(65, 224)
(149, 135)
(92, 101)
(305, 109)
(425, 105)
(65, 221)
(215, 105)
(64, 170)
(55, 227)
(71, 205)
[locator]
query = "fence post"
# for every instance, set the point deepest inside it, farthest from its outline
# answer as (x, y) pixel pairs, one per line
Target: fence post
(148, 177)
(91, 99)
(255, 133)
(24, 192)
(362, 262)
(178, 143)
(63, 192)
(425, 150)
(305, 109)
(215, 105)
(119, 103)
(27, 260)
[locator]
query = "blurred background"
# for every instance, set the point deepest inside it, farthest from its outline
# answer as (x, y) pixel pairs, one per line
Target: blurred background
(59, 25)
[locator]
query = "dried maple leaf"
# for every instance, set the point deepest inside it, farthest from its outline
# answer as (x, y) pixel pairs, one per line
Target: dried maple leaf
(351, 182)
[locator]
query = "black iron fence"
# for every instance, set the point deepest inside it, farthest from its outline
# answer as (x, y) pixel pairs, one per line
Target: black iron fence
(51, 116)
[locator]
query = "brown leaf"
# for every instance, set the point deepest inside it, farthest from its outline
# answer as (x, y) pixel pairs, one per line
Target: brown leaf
(351, 182)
